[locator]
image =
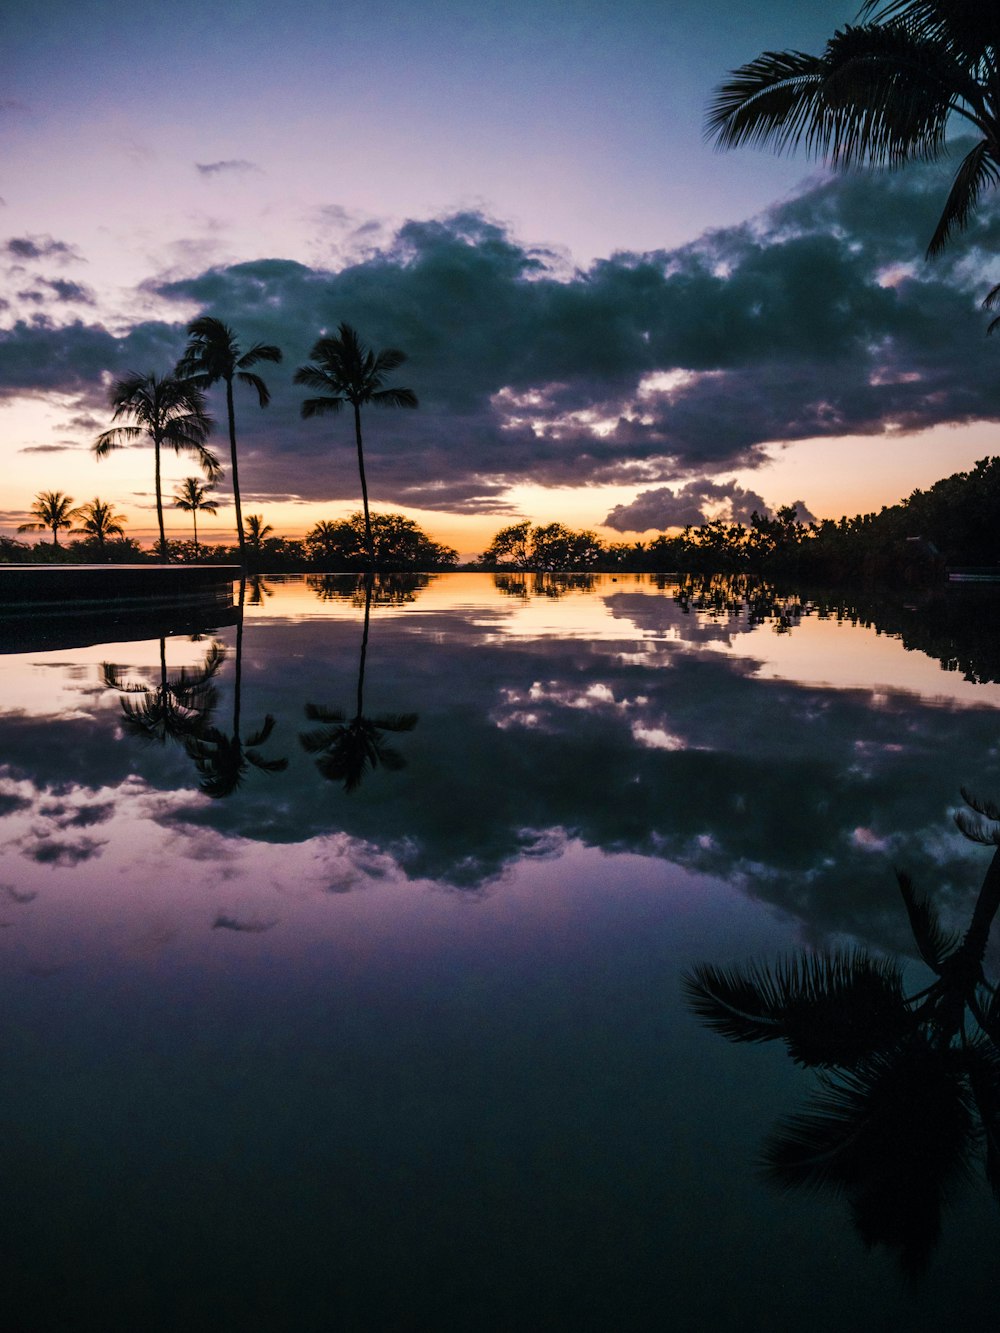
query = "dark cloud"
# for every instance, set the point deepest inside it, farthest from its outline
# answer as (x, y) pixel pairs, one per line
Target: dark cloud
(820, 318)
(51, 853)
(237, 164)
(63, 448)
(40, 247)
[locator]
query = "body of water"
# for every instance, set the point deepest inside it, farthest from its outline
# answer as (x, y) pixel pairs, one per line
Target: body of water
(341, 953)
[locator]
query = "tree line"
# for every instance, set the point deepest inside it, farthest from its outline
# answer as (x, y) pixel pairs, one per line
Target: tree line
(953, 523)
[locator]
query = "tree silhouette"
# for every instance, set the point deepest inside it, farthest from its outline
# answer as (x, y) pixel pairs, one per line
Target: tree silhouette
(346, 748)
(882, 93)
(175, 708)
(222, 759)
(909, 1092)
(100, 522)
(344, 370)
(171, 413)
(213, 354)
(257, 533)
(52, 510)
(194, 495)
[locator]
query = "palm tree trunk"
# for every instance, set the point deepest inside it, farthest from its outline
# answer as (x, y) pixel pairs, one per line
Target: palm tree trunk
(369, 582)
(236, 472)
(164, 554)
(194, 517)
(369, 543)
(55, 534)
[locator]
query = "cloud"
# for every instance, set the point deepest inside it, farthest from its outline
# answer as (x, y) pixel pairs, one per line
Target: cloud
(816, 319)
(232, 164)
(40, 247)
(694, 503)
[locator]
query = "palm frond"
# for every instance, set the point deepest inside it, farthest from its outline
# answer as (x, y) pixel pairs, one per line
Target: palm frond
(256, 383)
(320, 713)
(318, 407)
(116, 438)
(393, 398)
(390, 358)
(976, 173)
(830, 1009)
(893, 1136)
(933, 942)
(259, 352)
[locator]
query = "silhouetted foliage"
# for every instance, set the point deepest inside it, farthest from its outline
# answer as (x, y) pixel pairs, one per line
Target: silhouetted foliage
(909, 1091)
(213, 354)
(347, 748)
(344, 370)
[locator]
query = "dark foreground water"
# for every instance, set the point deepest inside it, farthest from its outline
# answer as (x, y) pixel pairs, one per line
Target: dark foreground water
(294, 1042)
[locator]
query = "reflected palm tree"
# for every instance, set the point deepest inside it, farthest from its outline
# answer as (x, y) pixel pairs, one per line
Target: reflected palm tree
(347, 748)
(224, 759)
(177, 707)
(258, 590)
(909, 1092)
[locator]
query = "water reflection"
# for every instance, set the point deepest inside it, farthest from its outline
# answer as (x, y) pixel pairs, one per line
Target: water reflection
(223, 759)
(347, 749)
(909, 1092)
(176, 707)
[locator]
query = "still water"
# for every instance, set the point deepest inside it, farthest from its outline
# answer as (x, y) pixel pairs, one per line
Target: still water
(342, 951)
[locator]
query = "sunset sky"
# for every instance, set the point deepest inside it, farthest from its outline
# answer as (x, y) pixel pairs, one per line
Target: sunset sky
(608, 322)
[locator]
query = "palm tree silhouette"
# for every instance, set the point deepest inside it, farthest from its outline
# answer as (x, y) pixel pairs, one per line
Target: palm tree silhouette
(171, 413)
(257, 533)
(213, 354)
(882, 93)
(909, 1091)
(222, 759)
(344, 370)
(52, 510)
(100, 522)
(177, 707)
(346, 748)
(194, 495)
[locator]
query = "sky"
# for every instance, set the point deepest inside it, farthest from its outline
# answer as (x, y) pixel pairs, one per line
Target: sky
(608, 322)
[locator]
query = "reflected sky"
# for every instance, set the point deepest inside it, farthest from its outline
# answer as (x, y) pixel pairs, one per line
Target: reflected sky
(433, 1025)
(798, 763)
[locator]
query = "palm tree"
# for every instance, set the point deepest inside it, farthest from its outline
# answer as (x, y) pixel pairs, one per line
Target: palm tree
(171, 413)
(344, 370)
(176, 707)
(347, 748)
(213, 354)
(100, 522)
(910, 1083)
(192, 496)
(223, 759)
(257, 532)
(882, 93)
(52, 510)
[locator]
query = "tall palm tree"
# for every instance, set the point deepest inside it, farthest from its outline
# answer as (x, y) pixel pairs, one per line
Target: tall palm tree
(344, 370)
(910, 1083)
(213, 354)
(171, 413)
(347, 748)
(100, 522)
(195, 495)
(52, 510)
(881, 94)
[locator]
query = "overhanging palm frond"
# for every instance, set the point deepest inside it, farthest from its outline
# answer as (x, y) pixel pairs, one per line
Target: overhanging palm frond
(977, 173)
(257, 384)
